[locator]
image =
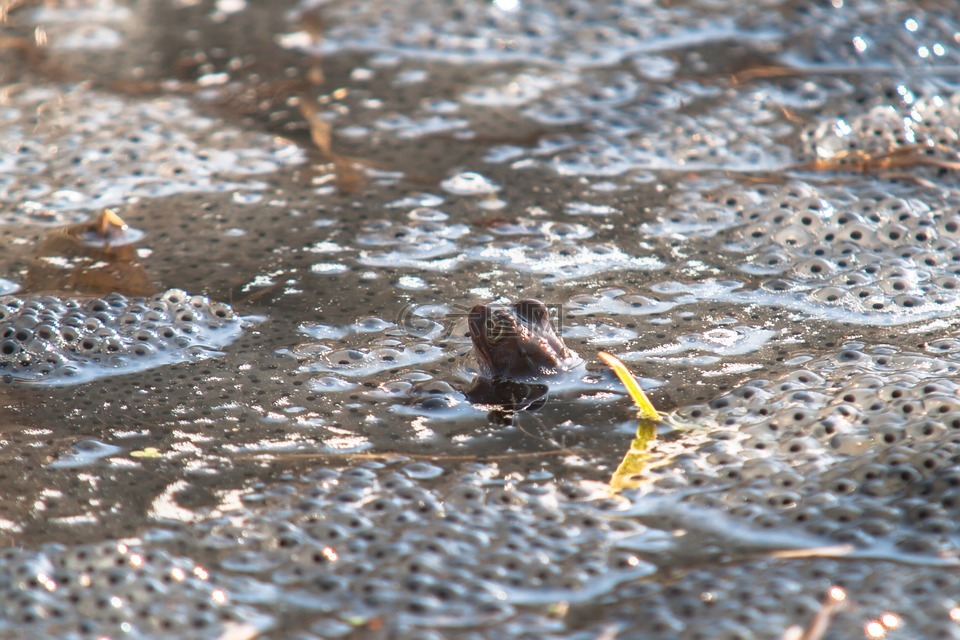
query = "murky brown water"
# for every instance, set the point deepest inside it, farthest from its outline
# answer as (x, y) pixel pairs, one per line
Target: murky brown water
(250, 420)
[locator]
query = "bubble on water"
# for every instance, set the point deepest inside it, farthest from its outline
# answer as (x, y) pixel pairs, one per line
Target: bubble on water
(328, 268)
(323, 331)
(332, 384)
(412, 283)
(371, 324)
(85, 453)
(422, 204)
(423, 471)
(588, 209)
(408, 128)
(430, 256)
(550, 229)
(386, 233)
(600, 333)
(469, 184)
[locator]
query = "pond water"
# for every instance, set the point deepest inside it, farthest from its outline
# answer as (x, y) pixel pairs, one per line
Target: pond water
(244, 417)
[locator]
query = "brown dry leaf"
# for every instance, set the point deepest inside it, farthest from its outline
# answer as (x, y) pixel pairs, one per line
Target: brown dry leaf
(909, 156)
(348, 171)
(319, 130)
(6, 6)
(90, 270)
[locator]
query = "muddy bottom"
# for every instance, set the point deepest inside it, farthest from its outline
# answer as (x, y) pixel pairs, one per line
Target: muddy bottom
(241, 411)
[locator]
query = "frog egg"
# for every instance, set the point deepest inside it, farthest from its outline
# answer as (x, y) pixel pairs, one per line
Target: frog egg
(771, 262)
(422, 471)
(926, 545)
(814, 268)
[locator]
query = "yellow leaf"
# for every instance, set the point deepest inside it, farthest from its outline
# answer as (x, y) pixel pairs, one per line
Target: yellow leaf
(647, 410)
(631, 468)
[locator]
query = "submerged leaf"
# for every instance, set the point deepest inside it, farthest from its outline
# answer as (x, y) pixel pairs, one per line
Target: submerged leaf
(634, 463)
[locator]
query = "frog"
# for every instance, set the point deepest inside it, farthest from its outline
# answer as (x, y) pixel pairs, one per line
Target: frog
(517, 350)
(518, 341)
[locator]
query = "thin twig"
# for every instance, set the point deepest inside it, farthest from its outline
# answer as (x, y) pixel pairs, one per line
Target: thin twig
(285, 457)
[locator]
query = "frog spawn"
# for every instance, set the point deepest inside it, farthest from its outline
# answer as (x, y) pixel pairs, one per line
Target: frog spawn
(763, 598)
(740, 132)
(438, 553)
(604, 126)
(578, 34)
(113, 588)
(926, 125)
(862, 447)
(421, 551)
(874, 257)
(617, 117)
(740, 601)
(627, 122)
(872, 33)
(50, 340)
(574, 33)
(121, 150)
(554, 251)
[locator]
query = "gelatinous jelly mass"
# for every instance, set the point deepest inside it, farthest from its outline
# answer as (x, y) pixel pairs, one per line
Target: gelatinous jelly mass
(49, 340)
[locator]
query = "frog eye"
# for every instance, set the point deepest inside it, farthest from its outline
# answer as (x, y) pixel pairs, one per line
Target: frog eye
(496, 329)
(533, 311)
